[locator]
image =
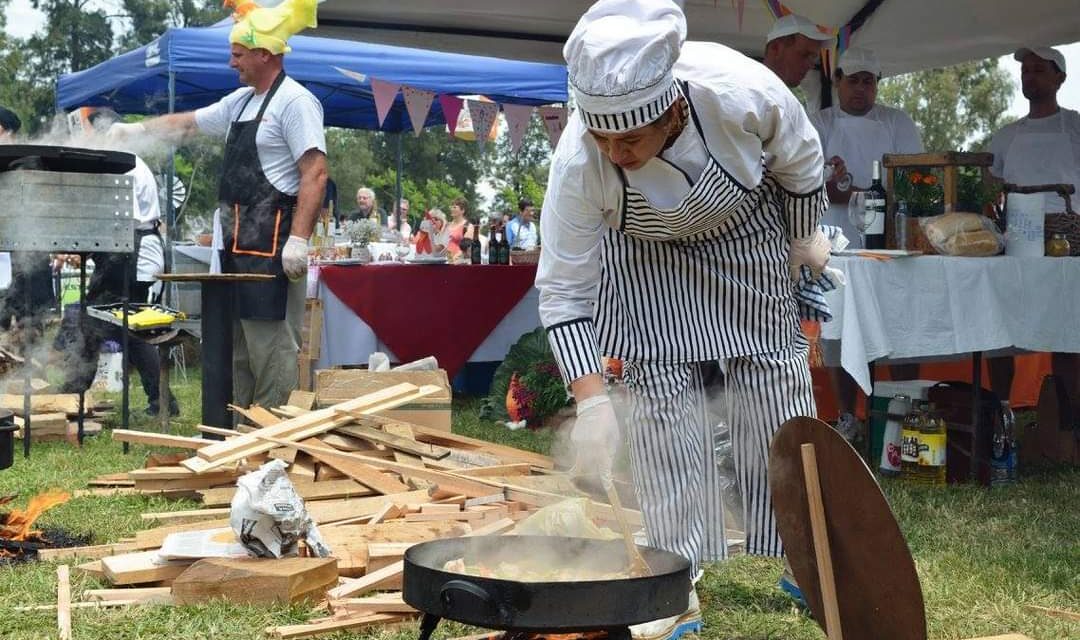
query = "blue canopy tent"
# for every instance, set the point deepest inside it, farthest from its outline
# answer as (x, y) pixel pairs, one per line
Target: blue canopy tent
(189, 68)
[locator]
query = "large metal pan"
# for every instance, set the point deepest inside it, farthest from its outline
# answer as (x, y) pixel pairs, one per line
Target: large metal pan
(557, 606)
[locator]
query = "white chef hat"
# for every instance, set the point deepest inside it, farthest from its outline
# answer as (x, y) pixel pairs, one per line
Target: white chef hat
(792, 24)
(855, 60)
(619, 58)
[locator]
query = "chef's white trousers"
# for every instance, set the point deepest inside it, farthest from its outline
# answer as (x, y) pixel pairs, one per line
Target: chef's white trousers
(672, 447)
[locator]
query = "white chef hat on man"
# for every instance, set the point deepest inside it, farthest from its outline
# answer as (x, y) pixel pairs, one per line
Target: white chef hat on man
(619, 58)
(856, 60)
(1049, 54)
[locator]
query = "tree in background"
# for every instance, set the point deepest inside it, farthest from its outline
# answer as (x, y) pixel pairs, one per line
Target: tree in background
(523, 174)
(954, 107)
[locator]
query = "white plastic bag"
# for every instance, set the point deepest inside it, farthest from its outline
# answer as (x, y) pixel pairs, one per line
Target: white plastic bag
(269, 518)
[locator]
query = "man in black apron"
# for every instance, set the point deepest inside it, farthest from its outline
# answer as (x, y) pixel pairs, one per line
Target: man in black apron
(270, 193)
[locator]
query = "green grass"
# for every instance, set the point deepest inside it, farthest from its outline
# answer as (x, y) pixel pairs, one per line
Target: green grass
(981, 555)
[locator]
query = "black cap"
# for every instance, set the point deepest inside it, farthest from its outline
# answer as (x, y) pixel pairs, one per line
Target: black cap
(9, 121)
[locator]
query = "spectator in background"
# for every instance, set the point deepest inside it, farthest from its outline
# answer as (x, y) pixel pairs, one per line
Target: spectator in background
(400, 220)
(522, 232)
(9, 125)
(459, 226)
(366, 207)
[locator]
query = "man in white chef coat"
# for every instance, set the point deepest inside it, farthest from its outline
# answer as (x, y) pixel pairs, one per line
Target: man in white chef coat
(854, 134)
(1043, 147)
(793, 47)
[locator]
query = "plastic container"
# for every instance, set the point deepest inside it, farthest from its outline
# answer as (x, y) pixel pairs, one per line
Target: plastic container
(884, 391)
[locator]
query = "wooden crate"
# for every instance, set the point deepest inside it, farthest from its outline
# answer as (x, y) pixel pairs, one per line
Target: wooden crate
(948, 162)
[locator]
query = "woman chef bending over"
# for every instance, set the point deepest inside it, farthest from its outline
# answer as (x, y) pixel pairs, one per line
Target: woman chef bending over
(683, 181)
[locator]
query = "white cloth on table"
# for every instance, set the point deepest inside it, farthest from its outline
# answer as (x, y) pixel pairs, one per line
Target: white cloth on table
(945, 306)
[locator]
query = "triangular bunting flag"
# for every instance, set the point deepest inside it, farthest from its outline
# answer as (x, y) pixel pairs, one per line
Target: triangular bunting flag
(554, 121)
(483, 116)
(385, 93)
(418, 102)
(517, 120)
(451, 107)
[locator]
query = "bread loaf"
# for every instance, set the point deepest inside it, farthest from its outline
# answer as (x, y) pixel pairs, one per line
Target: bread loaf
(942, 228)
(973, 244)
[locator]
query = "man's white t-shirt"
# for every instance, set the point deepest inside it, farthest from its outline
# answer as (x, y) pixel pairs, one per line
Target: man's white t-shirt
(151, 258)
(292, 125)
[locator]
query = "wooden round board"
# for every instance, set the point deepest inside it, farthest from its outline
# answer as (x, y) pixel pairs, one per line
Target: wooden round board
(876, 585)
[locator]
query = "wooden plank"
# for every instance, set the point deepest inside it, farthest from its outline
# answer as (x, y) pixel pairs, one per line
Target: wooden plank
(394, 441)
(92, 569)
(937, 159)
(516, 469)
(332, 625)
(464, 516)
(46, 423)
(446, 481)
(157, 439)
(305, 426)
(181, 473)
(303, 467)
(217, 431)
(346, 443)
(325, 511)
(379, 603)
(326, 473)
(301, 399)
(154, 538)
(255, 580)
(309, 491)
(148, 595)
(285, 454)
(1007, 636)
(111, 480)
(1054, 613)
(141, 567)
(93, 552)
(404, 457)
(505, 453)
(66, 403)
(357, 470)
(288, 428)
(256, 415)
(63, 601)
(179, 517)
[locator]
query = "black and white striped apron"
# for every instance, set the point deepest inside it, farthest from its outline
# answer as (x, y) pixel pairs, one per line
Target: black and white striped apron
(705, 280)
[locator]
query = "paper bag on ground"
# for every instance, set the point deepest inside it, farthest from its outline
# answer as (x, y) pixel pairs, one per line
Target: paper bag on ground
(269, 517)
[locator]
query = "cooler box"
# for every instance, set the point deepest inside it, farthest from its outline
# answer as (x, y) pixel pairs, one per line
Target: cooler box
(884, 391)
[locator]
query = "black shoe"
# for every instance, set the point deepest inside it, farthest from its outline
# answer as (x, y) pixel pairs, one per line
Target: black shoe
(154, 408)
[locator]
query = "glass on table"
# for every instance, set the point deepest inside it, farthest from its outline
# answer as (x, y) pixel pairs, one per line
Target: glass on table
(858, 215)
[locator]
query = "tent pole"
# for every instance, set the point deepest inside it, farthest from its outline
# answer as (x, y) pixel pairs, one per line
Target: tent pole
(397, 186)
(170, 210)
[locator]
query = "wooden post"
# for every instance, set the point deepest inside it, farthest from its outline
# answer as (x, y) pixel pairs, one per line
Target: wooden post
(63, 601)
(821, 543)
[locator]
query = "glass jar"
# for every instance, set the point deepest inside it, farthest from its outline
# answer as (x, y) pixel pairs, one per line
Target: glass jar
(1058, 246)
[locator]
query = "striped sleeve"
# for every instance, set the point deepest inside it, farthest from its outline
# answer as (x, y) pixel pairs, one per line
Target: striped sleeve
(575, 348)
(803, 211)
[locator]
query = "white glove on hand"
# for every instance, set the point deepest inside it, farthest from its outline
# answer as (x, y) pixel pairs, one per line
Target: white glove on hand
(294, 257)
(595, 436)
(812, 251)
(125, 130)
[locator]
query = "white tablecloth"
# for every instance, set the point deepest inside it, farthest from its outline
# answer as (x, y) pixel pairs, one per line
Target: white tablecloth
(346, 339)
(941, 306)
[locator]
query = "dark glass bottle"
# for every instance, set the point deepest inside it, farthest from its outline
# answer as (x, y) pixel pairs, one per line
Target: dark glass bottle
(876, 204)
(475, 254)
(504, 248)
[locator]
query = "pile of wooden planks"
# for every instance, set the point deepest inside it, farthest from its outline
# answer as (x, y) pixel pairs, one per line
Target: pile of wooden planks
(52, 415)
(373, 485)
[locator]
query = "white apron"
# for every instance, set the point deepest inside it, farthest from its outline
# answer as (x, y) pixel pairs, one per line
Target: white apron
(858, 140)
(1043, 158)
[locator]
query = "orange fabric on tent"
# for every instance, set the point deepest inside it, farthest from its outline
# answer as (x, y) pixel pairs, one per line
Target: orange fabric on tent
(1030, 370)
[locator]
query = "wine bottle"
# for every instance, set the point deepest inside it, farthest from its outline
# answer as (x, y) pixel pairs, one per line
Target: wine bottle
(876, 206)
(504, 248)
(476, 256)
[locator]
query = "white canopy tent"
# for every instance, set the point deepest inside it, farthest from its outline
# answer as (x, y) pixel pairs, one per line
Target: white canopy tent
(908, 35)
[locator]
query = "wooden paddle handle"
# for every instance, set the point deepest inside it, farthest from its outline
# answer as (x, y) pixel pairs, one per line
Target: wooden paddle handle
(821, 542)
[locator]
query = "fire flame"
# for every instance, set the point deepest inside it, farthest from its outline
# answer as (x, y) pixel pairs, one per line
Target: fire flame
(18, 523)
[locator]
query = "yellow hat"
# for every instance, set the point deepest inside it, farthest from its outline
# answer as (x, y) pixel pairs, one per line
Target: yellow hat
(270, 27)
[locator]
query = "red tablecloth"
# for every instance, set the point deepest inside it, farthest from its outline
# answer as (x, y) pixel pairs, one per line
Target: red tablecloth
(444, 311)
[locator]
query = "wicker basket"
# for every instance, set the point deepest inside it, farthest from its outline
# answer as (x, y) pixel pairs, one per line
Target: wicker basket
(525, 256)
(1067, 223)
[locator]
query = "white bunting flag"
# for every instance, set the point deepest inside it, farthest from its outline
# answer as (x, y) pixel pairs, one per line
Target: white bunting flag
(554, 121)
(483, 116)
(418, 102)
(518, 117)
(385, 93)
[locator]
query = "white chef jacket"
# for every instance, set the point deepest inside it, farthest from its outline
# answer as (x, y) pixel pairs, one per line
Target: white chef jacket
(151, 258)
(746, 115)
(1064, 124)
(860, 140)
